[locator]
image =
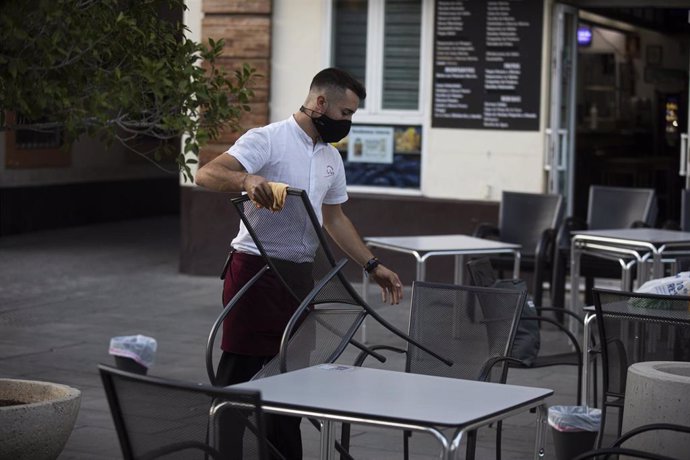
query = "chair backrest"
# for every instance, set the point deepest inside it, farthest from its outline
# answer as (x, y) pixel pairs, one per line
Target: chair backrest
(630, 335)
(523, 217)
(296, 252)
(161, 418)
(292, 242)
(470, 325)
(620, 207)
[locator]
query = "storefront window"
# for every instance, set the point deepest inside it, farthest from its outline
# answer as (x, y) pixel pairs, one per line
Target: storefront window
(379, 43)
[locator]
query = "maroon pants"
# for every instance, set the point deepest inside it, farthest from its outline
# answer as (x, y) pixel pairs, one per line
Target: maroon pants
(251, 337)
(255, 324)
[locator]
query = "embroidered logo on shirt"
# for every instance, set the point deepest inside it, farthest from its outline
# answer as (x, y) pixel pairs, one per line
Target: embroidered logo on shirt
(329, 171)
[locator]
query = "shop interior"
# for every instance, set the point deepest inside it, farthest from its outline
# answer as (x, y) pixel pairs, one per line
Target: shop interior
(632, 99)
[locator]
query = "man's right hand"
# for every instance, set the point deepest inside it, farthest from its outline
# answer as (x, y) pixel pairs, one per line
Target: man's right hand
(259, 190)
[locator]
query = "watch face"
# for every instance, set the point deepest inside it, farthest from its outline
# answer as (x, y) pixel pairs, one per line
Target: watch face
(371, 265)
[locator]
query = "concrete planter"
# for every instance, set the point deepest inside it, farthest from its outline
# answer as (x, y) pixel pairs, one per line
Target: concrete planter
(38, 427)
(657, 392)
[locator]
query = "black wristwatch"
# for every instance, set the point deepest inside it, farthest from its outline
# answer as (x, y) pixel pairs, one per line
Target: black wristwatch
(371, 265)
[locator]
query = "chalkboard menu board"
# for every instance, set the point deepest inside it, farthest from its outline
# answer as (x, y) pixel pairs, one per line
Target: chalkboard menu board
(487, 64)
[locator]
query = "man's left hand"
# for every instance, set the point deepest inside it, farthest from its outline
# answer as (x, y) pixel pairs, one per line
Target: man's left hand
(391, 287)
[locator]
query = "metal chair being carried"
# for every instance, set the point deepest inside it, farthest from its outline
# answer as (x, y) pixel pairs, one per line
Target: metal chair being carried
(330, 310)
(161, 418)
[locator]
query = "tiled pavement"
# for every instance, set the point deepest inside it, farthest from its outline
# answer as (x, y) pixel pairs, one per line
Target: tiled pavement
(65, 293)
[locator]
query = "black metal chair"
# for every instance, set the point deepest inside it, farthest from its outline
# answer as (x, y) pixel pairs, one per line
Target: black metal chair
(442, 318)
(482, 274)
(628, 335)
(644, 430)
(161, 418)
(608, 208)
(330, 310)
(530, 220)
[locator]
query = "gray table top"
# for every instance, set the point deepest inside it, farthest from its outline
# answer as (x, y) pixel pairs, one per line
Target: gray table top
(391, 396)
(641, 235)
(440, 243)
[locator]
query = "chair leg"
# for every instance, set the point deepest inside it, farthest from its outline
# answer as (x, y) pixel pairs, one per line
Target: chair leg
(471, 444)
(589, 285)
(345, 441)
(602, 427)
(406, 444)
(538, 284)
(579, 384)
(620, 422)
(499, 426)
(558, 286)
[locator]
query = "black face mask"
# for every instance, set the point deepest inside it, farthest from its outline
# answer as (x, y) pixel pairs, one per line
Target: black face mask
(329, 129)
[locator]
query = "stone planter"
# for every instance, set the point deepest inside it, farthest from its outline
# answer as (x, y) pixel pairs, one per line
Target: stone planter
(657, 392)
(39, 424)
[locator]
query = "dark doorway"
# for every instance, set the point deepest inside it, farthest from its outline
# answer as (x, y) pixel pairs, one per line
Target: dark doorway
(632, 98)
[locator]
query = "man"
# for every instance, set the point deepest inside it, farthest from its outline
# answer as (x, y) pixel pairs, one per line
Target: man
(296, 152)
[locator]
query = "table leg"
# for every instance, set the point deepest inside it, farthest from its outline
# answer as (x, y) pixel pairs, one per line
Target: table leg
(327, 446)
(542, 417)
(459, 279)
(585, 358)
(421, 270)
(626, 278)
(657, 267)
(575, 254)
(516, 264)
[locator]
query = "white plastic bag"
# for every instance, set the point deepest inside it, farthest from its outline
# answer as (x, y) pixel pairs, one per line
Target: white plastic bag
(140, 348)
(574, 418)
(678, 284)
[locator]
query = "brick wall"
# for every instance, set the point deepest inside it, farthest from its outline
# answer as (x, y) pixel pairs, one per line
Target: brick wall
(245, 26)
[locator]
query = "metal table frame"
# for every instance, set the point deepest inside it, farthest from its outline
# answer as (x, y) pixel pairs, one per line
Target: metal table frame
(337, 393)
(630, 247)
(425, 247)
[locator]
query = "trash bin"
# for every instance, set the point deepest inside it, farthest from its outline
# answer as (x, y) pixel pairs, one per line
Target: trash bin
(574, 429)
(133, 353)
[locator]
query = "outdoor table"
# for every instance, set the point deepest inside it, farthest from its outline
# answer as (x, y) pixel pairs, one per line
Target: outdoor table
(624, 310)
(426, 246)
(339, 393)
(629, 246)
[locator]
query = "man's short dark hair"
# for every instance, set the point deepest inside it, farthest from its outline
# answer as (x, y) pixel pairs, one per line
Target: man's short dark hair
(337, 78)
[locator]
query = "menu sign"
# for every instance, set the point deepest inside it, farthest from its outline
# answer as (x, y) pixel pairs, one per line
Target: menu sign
(487, 64)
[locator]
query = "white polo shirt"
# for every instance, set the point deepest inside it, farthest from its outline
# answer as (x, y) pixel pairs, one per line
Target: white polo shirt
(283, 152)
